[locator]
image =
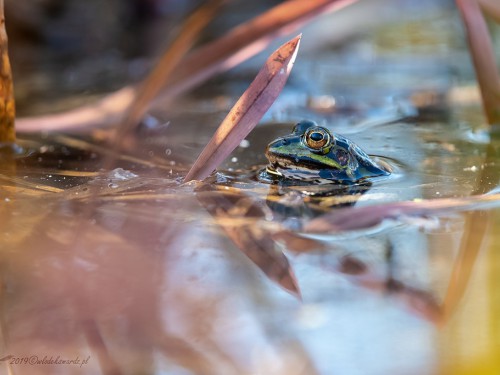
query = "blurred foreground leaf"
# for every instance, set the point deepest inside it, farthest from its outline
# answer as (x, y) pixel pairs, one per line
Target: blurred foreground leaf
(163, 70)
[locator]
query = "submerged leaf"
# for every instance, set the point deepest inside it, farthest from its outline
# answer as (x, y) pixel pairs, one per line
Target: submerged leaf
(247, 111)
(257, 244)
(345, 219)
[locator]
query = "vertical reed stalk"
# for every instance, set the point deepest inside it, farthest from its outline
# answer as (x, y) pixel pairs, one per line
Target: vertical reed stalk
(7, 103)
(483, 57)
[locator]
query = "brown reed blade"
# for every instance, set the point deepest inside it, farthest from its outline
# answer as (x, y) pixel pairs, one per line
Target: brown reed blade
(7, 102)
(107, 111)
(170, 60)
(247, 111)
(248, 39)
(483, 57)
(236, 46)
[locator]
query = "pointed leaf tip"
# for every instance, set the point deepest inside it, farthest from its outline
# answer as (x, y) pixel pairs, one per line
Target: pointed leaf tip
(247, 111)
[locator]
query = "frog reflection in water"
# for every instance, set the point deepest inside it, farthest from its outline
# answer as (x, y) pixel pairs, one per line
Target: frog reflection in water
(313, 170)
(311, 153)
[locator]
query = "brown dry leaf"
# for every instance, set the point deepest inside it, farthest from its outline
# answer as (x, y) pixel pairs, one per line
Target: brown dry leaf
(163, 70)
(236, 46)
(248, 39)
(483, 57)
(132, 101)
(247, 111)
(296, 243)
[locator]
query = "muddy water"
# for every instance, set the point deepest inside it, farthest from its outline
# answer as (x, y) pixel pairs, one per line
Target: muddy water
(129, 271)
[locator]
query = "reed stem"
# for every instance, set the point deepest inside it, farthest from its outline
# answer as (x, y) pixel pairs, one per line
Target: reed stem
(7, 102)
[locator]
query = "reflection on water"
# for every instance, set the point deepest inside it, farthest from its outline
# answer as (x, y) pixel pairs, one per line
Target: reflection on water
(146, 281)
(139, 273)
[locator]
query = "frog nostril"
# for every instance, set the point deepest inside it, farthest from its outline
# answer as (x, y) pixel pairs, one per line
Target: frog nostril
(342, 157)
(284, 142)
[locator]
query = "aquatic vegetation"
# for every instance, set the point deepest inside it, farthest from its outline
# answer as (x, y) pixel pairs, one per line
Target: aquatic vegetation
(233, 48)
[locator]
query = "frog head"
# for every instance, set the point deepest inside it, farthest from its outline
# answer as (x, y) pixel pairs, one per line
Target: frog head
(313, 153)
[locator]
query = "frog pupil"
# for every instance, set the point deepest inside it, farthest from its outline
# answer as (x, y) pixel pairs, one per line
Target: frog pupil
(316, 136)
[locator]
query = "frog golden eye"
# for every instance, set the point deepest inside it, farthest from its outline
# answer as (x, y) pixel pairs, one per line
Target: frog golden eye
(317, 138)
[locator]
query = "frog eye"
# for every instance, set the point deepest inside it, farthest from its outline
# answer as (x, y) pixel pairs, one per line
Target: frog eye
(317, 138)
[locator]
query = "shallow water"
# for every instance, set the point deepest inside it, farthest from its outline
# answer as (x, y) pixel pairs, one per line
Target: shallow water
(130, 264)
(139, 273)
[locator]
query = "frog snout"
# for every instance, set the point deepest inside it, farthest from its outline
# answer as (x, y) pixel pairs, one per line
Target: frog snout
(273, 147)
(269, 152)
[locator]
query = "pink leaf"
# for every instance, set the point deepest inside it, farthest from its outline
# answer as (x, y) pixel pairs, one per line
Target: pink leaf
(248, 39)
(247, 111)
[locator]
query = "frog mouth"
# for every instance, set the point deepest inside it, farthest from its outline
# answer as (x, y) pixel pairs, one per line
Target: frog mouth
(277, 160)
(288, 167)
(306, 169)
(280, 161)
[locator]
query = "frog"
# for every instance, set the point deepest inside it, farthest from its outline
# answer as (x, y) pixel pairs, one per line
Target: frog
(313, 154)
(310, 172)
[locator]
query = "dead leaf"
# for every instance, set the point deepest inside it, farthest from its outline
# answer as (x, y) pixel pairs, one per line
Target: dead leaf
(247, 111)
(236, 46)
(248, 39)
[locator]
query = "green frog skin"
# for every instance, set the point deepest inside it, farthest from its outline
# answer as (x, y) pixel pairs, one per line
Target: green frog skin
(312, 153)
